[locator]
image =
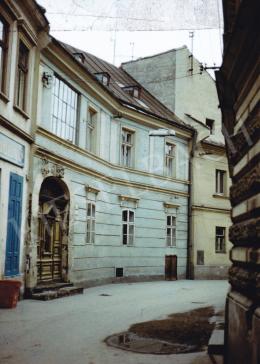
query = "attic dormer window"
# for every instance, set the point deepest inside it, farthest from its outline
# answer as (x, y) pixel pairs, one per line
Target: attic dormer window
(134, 91)
(79, 56)
(103, 77)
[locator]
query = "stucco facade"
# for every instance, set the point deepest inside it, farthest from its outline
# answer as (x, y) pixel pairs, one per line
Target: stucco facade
(98, 177)
(18, 29)
(175, 78)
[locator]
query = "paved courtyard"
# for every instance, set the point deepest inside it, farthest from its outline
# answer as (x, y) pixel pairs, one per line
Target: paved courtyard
(71, 330)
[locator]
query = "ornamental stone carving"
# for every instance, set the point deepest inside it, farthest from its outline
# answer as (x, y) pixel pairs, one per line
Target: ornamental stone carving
(58, 170)
(55, 170)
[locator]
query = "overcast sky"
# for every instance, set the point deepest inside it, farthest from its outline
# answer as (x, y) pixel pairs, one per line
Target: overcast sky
(121, 30)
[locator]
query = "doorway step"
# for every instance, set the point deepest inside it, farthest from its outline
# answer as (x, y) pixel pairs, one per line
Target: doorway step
(51, 291)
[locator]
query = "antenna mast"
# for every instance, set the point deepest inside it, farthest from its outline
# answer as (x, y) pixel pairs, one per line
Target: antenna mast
(191, 35)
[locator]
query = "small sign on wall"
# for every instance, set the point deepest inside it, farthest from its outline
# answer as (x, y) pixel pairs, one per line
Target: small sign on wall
(11, 151)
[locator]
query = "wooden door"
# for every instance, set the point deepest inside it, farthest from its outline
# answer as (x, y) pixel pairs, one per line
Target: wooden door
(171, 267)
(50, 247)
(14, 225)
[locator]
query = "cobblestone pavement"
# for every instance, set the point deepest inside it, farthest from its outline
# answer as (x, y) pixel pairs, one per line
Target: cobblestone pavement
(71, 330)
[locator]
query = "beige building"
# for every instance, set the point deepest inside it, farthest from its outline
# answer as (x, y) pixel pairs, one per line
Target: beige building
(22, 24)
(175, 78)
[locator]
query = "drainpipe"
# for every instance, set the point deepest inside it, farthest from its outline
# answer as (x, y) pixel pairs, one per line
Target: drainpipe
(190, 264)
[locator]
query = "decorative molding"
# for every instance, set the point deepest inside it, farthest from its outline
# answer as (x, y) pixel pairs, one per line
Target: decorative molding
(210, 208)
(58, 170)
(125, 198)
(40, 152)
(170, 205)
(92, 189)
(14, 129)
(55, 170)
(84, 152)
(45, 167)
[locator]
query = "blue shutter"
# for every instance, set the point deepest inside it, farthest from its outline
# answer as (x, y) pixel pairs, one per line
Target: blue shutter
(14, 225)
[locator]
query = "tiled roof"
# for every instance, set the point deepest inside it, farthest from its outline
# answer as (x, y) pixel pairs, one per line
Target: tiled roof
(119, 78)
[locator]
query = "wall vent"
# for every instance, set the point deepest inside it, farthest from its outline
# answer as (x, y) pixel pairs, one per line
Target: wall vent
(119, 272)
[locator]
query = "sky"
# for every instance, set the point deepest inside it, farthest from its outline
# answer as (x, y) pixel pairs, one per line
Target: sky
(121, 30)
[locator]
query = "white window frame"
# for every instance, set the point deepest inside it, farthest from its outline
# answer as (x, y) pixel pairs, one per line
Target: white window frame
(170, 159)
(128, 225)
(220, 183)
(172, 228)
(126, 145)
(64, 123)
(91, 223)
(92, 115)
(220, 240)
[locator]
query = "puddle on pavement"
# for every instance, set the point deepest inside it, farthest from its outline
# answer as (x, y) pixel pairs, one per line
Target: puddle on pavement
(179, 333)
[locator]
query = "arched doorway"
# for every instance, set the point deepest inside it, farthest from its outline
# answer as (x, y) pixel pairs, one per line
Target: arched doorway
(52, 247)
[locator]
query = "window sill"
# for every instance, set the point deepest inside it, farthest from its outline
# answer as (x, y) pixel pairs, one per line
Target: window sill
(4, 97)
(216, 195)
(22, 112)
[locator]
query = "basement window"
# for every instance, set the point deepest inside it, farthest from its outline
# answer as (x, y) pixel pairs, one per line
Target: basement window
(119, 272)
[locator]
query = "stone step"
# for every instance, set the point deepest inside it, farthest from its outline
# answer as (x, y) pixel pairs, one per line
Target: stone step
(216, 343)
(57, 293)
(50, 286)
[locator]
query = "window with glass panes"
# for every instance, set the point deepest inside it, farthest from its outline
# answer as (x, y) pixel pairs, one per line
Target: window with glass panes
(128, 226)
(22, 74)
(170, 159)
(3, 53)
(220, 239)
(220, 181)
(127, 148)
(171, 230)
(91, 125)
(91, 222)
(64, 110)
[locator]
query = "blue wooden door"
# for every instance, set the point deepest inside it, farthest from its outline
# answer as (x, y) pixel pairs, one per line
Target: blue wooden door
(14, 225)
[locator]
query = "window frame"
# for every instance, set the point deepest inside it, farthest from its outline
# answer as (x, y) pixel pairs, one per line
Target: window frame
(74, 140)
(91, 221)
(4, 45)
(128, 223)
(24, 69)
(91, 127)
(220, 181)
(124, 145)
(169, 157)
(172, 227)
(222, 242)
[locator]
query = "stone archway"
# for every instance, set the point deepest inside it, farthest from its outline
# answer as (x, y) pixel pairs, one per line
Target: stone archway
(53, 228)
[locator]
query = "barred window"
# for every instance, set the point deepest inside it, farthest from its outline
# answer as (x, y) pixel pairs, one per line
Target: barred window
(220, 239)
(128, 222)
(64, 110)
(91, 223)
(171, 230)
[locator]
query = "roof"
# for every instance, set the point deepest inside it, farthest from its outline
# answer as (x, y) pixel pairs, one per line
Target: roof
(119, 79)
